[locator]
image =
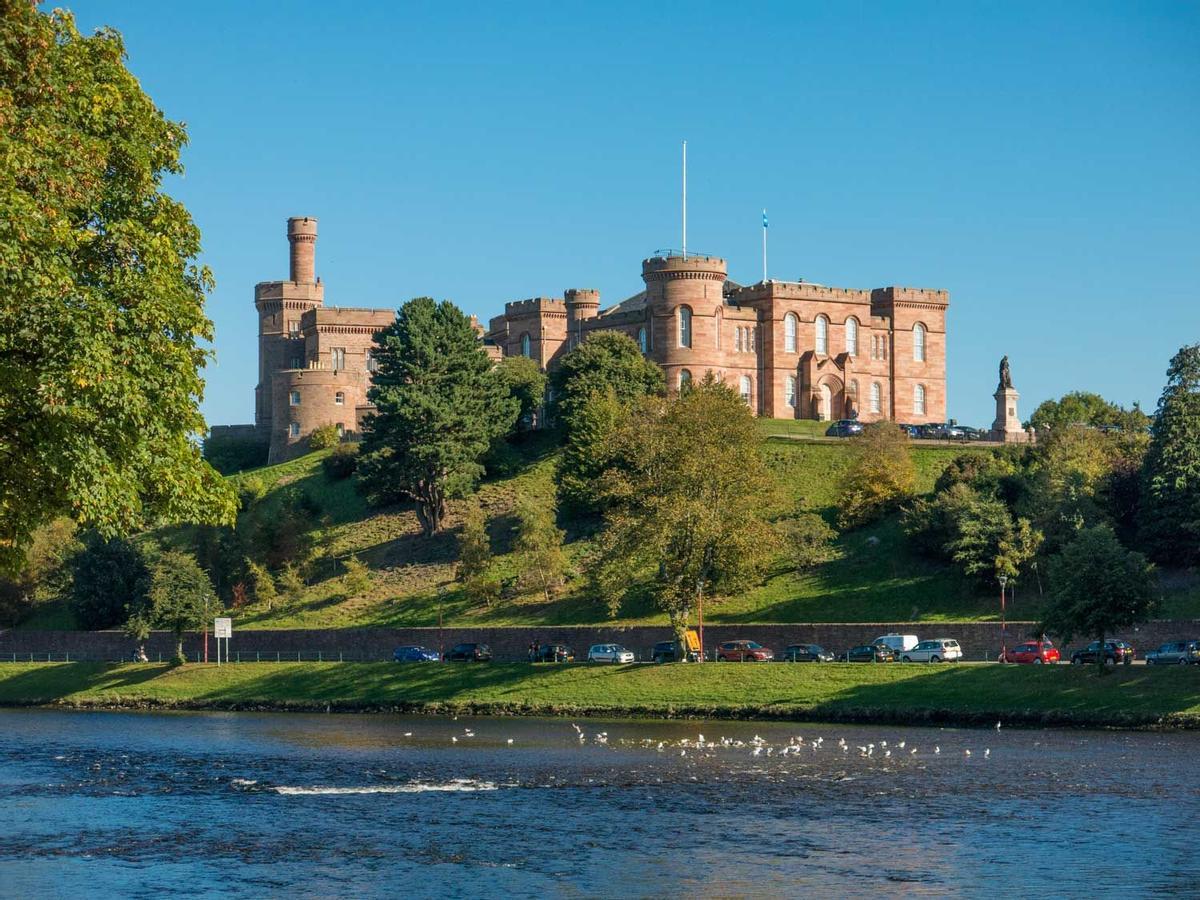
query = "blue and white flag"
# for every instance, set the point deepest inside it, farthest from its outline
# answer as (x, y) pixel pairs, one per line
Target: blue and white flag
(764, 218)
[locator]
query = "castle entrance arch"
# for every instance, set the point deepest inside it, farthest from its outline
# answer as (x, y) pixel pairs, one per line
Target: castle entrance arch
(830, 399)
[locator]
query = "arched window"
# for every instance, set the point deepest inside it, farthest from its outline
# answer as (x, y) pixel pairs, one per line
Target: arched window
(685, 378)
(745, 388)
(919, 342)
(526, 346)
(791, 391)
(294, 398)
(720, 319)
(852, 395)
(737, 338)
(339, 399)
(852, 336)
(822, 335)
(642, 339)
(876, 398)
(919, 400)
(789, 333)
(685, 327)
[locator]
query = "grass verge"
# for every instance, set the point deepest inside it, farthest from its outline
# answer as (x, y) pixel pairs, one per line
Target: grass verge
(983, 694)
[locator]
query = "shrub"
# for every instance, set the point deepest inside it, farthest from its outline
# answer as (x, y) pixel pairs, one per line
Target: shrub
(262, 583)
(809, 541)
(291, 585)
(474, 546)
(228, 454)
(251, 490)
(108, 580)
(324, 437)
(357, 579)
(341, 463)
(880, 476)
(485, 588)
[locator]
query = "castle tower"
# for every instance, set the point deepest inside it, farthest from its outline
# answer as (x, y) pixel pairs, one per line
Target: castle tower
(684, 296)
(582, 303)
(280, 305)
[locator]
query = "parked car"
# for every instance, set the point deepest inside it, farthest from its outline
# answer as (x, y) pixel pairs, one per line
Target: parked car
(554, 653)
(973, 434)
(743, 651)
(943, 431)
(913, 431)
(805, 653)
(935, 650)
(668, 651)
(1177, 653)
(470, 653)
(416, 654)
(1027, 652)
(897, 643)
(869, 653)
(613, 653)
(844, 428)
(1114, 652)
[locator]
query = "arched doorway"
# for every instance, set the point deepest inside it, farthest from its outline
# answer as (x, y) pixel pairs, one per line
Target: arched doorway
(829, 398)
(824, 402)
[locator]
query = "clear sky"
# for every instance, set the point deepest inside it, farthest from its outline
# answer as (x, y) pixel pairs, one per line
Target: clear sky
(1041, 161)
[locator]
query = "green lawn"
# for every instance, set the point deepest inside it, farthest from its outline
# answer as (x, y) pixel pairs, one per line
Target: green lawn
(967, 693)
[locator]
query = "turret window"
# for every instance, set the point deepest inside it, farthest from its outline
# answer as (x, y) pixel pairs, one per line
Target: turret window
(297, 363)
(526, 346)
(685, 378)
(338, 358)
(919, 400)
(294, 398)
(822, 324)
(789, 333)
(919, 342)
(294, 429)
(642, 339)
(685, 327)
(339, 398)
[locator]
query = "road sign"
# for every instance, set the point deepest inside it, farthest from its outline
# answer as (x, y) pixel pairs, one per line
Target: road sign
(223, 628)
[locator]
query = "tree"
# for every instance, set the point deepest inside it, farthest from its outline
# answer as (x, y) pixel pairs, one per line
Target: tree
(180, 596)
(474, 545)
(526, 383)
(109, 579)
(324, 437)
(44, 575)
(1097, 586)
(439, 404)
(687, 507)
(262, 584)
(228, 454)
(102, 327)
(540, 556)
(588, 451)
(1084, 408)
(291, 585)
(1170, 509)
(357, 578)
(809, 541)
(1068, 471)
(606, 360)
(880, 475)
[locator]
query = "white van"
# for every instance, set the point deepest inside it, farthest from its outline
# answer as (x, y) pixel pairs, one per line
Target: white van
(898, 642)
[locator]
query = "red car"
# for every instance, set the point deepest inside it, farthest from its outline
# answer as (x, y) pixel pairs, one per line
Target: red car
(1028, 653)
(743, 651)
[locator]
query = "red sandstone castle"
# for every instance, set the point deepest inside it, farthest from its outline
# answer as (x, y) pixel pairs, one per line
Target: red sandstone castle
(793, 349)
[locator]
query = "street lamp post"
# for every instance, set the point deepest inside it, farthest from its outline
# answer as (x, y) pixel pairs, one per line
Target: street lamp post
(1003, 628)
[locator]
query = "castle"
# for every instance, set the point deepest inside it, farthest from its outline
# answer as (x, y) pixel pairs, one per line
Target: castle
(792, 349)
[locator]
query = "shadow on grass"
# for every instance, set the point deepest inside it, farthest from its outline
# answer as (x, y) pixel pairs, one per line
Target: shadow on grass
(56, 681)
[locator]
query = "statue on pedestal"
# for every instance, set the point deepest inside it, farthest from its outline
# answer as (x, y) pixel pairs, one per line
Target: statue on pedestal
(1005, 374)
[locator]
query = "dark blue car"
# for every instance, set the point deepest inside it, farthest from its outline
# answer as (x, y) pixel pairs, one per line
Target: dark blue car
(416, 654)
(844, 428)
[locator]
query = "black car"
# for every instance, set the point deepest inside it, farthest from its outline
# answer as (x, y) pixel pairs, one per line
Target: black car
(470, 653)
(1114, 652)
(668, 651)
(805, 653)
(870, 653)
(844, 428)
(554, 653)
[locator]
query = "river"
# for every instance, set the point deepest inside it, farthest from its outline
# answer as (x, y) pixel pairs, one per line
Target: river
(141, 804)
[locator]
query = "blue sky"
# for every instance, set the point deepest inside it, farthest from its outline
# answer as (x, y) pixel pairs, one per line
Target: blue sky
(1038, 160)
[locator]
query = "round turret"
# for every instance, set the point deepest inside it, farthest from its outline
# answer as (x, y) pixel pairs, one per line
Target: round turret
(302, 235)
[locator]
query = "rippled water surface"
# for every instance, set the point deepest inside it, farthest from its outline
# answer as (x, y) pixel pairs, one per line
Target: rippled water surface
(265, 805)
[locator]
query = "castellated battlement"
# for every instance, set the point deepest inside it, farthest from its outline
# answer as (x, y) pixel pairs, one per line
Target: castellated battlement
(671, 266)
(582, 297)
(901, 295)
(798, 290)
(268, 291)
(535, 305)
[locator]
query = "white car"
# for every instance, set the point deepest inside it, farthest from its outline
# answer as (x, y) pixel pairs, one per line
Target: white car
(936, 650)
(898, 642)
(613, 653)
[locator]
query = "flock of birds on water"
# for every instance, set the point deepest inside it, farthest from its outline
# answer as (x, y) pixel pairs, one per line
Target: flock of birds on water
(756, 746)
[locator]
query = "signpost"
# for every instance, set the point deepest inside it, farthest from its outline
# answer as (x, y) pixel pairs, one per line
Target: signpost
(222, 628)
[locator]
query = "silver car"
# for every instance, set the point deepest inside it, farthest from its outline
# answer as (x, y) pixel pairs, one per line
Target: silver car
(611, 653)
(936, 650)
(1176, 653)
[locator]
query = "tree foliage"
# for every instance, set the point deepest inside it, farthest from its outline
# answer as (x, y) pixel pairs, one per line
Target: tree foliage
(1086, 408)
(229, 454)
(44, 574)
(808, 541)
(357, 577)
(526, 383)
(324, 437)
(110, 579)
(880, 476)
(539, 546)
(181, 597)
(687, 507)
(102, 322)
(588, 451)
(439, 404)
(1170, 508)
(474, 544)
(605, 361)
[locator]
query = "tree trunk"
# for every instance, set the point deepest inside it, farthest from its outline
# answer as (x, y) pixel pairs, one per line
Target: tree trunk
(679, 626)
(179, 647)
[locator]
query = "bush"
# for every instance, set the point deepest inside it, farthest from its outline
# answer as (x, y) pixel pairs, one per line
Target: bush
(324, 437)
(251, 490)
(881, 475)
(357, 579)
(291, 585)
(809, 541)
(228, 454)
(485, 588)
(341, 463)
(109, 579)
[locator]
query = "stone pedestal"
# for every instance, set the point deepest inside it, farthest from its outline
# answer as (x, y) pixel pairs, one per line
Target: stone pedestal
(1007, 426)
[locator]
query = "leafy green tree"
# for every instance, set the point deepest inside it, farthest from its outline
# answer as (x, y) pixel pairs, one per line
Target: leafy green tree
(880, 476)
(108, 580)
(526, 383)
(181, 597)
(1068, 471)
(1083, 408)
(809, 541)
(357, 578)
(45, 574)
(606, 360)
(588, 452)
(485, 587)
(539, 547)
(102, 328)
(229, 454)
(324, 437)
(474, 545)
(1097, 586)
(291, 585)
(262, 584)
(687, 507)
(439, 404)
(1170, 509)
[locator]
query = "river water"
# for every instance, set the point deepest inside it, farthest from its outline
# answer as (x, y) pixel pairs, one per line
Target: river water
(137, 804)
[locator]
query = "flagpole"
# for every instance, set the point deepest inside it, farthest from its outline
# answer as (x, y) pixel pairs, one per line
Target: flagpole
(685, 199)
(764, 245)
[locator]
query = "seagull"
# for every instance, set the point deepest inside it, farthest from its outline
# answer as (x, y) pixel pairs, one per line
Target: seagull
(700, 738)
(901, 744)
(408, 734)
(887, 754)
(967, 752)
(453, 739)
(937, 749)
(757, 750)
(997, 725)
(510, 740)
(913, 751)
(987, 753)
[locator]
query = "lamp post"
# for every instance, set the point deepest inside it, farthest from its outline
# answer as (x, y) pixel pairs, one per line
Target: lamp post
(1003, 629)
(441, 594)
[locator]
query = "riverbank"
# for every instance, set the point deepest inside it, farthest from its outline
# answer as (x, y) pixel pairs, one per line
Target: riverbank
(902, 694)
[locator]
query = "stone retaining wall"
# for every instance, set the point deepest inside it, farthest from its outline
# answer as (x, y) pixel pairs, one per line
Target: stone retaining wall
(979, 640)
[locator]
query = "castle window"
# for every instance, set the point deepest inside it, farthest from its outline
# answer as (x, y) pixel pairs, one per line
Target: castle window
(339, 398)
(919, 400)
(526, 345)
(789, 333)
(685, 378)
(717, 330)
(737, 338)
(876, 398)
(294, 429)
(791, 391)
(338, 358)
(746, 386)
(852, 336)
(369, 360)
(919, 342)
(294, 398)
(852, 393)
(685, 327)
(822, 335)
(642, 339)
(297, 363)
(293, 329)
(341, 429)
